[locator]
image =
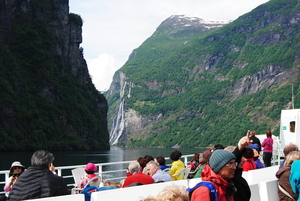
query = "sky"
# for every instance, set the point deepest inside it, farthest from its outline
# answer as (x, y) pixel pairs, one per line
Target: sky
(113, 28)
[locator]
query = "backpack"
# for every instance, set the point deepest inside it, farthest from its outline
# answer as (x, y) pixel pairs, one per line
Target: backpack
(209, 185)
(88, 190)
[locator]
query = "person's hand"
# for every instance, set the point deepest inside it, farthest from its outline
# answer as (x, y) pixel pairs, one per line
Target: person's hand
(13, 179)
(245, 141)
(52, 168)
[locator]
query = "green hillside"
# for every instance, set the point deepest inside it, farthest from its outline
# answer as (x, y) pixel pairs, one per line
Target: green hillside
(46, 102)
(214, 86)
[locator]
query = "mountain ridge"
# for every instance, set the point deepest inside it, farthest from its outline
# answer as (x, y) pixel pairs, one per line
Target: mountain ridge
(213, 88)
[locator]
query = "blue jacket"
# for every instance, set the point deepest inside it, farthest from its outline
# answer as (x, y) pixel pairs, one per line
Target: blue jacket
(295, 177)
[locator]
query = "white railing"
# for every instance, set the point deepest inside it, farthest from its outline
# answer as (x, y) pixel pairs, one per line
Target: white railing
(116, 171)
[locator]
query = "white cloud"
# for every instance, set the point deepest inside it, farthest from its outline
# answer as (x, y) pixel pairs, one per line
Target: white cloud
(112, 29)
(102, 70)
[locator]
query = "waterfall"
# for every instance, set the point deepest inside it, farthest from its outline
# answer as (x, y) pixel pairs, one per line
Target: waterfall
(118, 125)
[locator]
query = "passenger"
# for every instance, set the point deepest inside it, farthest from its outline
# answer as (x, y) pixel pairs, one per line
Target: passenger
(90, 170)
(148, 158)
(16, 170)
(295, 177)
(219, 146)
(255, 142)
(257, 161)
(38, 181)
(267, 144)
(287, 149)
(220, 171)
(249, 163)
(285, 191)
(156, 173)
(171, 193)
(194, 165)
(203, 161)
(243, 192)
(162, 162)
(177, 164)
(137, 176)
(142, 161)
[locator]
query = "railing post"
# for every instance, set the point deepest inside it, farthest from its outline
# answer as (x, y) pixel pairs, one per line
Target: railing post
(185, 161)
(59, 172)
(100, 170)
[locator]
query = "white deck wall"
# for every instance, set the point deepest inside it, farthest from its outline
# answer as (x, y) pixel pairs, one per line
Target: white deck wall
(263, 190)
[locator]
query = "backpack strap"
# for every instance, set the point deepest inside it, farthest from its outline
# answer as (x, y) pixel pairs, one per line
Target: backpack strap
(211, 188)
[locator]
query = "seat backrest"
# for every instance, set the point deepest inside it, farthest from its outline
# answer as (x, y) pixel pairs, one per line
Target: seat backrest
(255, 194)
(145, 170)
(267, 189)
(182, 174)
(167, 170)
(187, 172)
(96, 183)
(77, 174)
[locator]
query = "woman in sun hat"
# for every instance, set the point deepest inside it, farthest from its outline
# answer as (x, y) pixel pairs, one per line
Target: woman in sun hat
(16, 170)
(90, 170)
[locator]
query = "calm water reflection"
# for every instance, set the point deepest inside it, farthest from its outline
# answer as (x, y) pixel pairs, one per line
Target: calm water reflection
(66, 158)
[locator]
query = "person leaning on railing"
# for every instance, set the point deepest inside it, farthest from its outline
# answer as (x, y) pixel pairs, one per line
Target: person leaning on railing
(16, 170)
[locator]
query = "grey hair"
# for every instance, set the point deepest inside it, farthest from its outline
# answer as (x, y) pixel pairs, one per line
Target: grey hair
(291, 157)
(42, 158)
(134, 166)
(153, 164)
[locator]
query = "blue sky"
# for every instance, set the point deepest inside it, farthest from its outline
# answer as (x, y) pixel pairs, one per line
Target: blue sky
(113, 28)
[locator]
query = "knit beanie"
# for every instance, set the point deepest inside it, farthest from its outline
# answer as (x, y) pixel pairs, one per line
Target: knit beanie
(219, 158)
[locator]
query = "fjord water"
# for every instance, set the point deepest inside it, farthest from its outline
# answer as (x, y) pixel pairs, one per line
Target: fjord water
(115, 154)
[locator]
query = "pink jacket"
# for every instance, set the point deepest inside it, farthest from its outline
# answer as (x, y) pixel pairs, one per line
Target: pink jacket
(268, 145)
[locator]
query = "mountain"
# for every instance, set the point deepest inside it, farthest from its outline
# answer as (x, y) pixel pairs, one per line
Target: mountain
(47, 99)
(187, 88)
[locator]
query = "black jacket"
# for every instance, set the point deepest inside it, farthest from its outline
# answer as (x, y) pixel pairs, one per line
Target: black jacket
(37, 182)
(243, 192)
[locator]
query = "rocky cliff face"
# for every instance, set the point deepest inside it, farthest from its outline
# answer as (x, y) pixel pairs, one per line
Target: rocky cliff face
(48, 23)
(130, 122)
(68, 33)
(211, 86)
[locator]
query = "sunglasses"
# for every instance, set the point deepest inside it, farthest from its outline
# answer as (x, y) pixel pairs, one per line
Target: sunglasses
(15, 168)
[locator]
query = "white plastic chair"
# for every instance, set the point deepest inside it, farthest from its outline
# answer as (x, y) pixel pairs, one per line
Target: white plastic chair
(77, 174)
(91, 182)
(183, 174)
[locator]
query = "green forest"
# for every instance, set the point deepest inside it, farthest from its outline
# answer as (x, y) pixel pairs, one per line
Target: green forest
(42, 104)
(204, 81)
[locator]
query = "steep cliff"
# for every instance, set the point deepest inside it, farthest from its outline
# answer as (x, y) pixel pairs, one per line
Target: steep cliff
(210, 87)
(47, 96)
